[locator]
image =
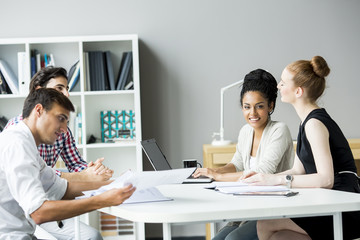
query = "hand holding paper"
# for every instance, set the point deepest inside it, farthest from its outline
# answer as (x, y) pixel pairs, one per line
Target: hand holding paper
(144, 183)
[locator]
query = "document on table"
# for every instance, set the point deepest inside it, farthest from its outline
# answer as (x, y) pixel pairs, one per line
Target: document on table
(147, 195)
(145, 183)
(241, 188)
(216, 185)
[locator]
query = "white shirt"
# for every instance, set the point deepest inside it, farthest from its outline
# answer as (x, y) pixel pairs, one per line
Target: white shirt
(26, 182)
(274, 154)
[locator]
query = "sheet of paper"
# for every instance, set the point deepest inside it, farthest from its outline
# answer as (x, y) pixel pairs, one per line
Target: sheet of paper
(215, 185)
(249, 188)
(148, 179)
(147, 195)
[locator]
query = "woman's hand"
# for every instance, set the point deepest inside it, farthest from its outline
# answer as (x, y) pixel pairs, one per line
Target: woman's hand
(208, 172)
(264, 179)
(246, 174)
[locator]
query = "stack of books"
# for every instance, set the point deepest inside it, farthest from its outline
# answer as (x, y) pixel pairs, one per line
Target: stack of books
(99, 71)
(39, 61)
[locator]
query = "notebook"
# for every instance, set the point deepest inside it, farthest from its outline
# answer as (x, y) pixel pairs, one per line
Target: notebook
(159, 161)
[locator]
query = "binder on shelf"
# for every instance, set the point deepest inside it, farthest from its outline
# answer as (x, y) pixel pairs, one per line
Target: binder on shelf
(86, 72)
(51, 60)
(79, 128)
(124, 70)
(98, 76)
(121, 67)
(109, 70)
(74, 75)
(33, 62)
(103, 68)
(117, 125)
(129, 81)
(95, 59)
(46, 60)
(23, 75)
(92, 71)
(38, 62)
(9, 77)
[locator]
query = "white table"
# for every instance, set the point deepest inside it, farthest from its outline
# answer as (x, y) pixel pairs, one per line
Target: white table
(192, 203)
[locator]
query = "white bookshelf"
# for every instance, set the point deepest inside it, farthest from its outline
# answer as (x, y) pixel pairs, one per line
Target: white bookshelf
(119, 156)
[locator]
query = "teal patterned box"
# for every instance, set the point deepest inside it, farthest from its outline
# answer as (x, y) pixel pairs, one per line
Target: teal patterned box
(117, 125)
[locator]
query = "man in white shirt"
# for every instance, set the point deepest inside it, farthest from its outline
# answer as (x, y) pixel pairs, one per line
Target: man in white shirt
(31, 193)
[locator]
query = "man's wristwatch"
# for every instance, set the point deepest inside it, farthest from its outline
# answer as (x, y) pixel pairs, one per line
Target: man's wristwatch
(289, 179)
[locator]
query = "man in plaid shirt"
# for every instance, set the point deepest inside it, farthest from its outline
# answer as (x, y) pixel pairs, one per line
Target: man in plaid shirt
(79, 170)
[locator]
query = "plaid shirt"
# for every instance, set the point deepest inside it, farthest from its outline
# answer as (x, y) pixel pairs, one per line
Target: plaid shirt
(64, 146)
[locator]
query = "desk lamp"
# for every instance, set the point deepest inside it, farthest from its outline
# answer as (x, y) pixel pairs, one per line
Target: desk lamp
(221, 141)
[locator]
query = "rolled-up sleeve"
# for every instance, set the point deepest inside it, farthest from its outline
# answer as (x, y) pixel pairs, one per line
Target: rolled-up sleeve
(30, 181)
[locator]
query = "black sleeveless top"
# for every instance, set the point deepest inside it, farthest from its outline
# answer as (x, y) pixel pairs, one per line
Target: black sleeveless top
(343, 159)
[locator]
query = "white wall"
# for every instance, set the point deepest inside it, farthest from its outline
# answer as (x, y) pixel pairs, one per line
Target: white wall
(190, 49)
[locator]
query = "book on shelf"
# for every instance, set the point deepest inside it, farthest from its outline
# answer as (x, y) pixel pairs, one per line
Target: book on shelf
(106, 84)
(74, 76)
(23, 74)
(33, 67)
(126, 65)
(96, 71)
(3, 122)
(78, 128)
(38, 61)
(46, 60)
(110, 70)
(86, 71)
(129, 81)
(4, 88)
(9, 76)
(51, 60)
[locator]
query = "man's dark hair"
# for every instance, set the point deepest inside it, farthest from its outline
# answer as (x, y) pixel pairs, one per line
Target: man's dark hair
(46, 97)
(43, 76)
(261, 81)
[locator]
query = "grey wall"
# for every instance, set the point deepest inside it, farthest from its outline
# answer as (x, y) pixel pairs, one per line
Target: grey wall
(190, 49)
